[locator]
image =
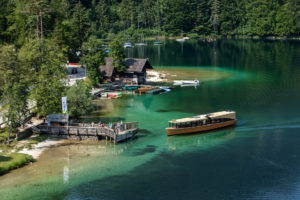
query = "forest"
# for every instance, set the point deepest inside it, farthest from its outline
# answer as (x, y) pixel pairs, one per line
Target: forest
(70, 22)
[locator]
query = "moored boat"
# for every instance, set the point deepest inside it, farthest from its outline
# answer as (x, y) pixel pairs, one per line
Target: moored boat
(141, 44)
(144, 90)
(189, 82)
(157, 43)
(180, 40)
(201, 123)
(127, 45)
(114, 95)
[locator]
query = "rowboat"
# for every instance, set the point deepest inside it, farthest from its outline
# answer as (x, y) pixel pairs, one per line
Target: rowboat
(114, 95)
(157, 43)
(144, 90)
(201, 123)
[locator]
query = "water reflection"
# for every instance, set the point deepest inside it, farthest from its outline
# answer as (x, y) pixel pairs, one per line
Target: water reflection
(202, 140)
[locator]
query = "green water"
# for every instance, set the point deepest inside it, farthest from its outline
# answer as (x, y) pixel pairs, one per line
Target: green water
(256, 159)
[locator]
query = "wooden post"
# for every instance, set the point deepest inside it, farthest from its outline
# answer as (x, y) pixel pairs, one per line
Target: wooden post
(115, 139)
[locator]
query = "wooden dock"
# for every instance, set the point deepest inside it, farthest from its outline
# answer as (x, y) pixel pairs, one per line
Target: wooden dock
(87, 131)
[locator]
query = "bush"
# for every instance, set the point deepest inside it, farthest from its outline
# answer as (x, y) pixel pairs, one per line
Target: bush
(79, 99)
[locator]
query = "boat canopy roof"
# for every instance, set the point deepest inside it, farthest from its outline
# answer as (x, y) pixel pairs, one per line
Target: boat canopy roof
(221, 114)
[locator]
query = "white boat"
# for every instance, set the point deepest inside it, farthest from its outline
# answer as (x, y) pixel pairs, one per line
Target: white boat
(180, 40)
(186, 82)
(127, 45)
(141, 44)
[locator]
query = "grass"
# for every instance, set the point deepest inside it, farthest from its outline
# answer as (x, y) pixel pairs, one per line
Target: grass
(13, 161)
(38, 138)
(3, 135)
(35, 140)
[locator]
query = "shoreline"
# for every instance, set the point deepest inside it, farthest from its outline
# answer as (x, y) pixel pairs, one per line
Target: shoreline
(37, 149)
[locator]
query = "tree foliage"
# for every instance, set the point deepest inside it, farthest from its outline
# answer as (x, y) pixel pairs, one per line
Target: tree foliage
(79, 99)
(118, 55)
(71, 22)
(13, 86)
(44, 61)
(93, 57)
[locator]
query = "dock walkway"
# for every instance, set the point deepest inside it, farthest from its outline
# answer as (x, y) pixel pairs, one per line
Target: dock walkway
(88, 131)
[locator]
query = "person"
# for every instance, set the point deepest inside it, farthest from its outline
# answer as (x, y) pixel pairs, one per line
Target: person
(121, 125)
(92, 124)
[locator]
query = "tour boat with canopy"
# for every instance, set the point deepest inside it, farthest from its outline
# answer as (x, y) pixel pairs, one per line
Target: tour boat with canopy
(201, 123)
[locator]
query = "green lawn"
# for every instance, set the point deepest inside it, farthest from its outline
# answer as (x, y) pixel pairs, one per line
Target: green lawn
(13, 161)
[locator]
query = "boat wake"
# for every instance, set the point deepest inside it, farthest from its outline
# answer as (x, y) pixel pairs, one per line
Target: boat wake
(268, 128)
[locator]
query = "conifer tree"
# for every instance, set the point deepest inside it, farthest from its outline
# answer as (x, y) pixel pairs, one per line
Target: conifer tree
(118, 55)
(215, 15)
(93, 57)
(44, 61)
(13, 83)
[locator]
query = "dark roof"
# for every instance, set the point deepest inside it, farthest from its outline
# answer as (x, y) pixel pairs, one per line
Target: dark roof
(132, 65)
(57, 118)
(107, 70)
(137, 64)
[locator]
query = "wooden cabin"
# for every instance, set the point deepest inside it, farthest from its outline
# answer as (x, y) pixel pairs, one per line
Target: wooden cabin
(57, 120)
(135, 72)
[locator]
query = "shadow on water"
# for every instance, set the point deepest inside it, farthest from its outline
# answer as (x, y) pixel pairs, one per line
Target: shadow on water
(202, 140)
(147, 149)
(162, 111)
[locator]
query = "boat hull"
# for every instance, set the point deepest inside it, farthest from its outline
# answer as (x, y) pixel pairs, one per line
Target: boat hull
(197, 129)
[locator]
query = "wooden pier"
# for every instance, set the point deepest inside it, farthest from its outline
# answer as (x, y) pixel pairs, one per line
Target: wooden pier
(89, 131)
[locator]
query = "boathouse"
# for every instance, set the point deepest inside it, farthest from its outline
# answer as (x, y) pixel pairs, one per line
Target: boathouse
(57, 120)
(135, 72)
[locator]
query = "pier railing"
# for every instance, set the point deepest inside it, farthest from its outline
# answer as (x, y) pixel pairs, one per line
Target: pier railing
(119, 130)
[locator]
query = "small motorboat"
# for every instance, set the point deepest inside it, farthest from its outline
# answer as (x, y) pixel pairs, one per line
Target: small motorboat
(141, 44)
(180, 40)
(186, 82)
(127, 45)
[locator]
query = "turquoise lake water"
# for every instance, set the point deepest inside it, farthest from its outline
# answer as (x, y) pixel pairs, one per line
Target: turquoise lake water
(259, 158)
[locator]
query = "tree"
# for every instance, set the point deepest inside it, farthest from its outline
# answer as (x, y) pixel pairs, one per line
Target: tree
(294, 8)
(215, 15)
(93, 57)
(80, 26)
(118, 55)
(79, 99)
(6, 8)
(44, 60)
(202, 18)
(179, 15)
(14, 88)
(284, 22)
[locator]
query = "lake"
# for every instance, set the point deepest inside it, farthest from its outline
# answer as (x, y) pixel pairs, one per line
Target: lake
(259, 158)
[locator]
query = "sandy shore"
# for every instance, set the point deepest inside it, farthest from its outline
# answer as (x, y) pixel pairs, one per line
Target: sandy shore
(155, 76)
(37, 149)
